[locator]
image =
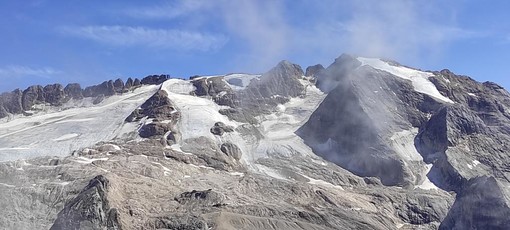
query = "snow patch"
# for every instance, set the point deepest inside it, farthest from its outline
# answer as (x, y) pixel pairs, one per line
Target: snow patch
(8, 185)
(321, 182)
(473, 164)
(197, 114)
(236, 173)
(403, 143)
(84, 160)
(269, 172)
(166, 171)
(419, 79)
(239, 81)
(427, 184)
(67, 137)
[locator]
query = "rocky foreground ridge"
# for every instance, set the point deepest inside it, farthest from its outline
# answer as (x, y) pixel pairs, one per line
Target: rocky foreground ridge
(361, 144)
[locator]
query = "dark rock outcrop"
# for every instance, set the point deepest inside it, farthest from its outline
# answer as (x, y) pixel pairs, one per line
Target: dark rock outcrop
(154, 79)
(106, 88)
(182, 221)
(31, 96)
(200, 198)
(90, 209)
(129, 83)
(158, 108)
(74, 91)
(220, 128)
(54, 94)
(231, 150)
(118, 85)
(155, 129)
(217, 89)
(312, 71)
(11, 103)
(480, 205)
(136, 82)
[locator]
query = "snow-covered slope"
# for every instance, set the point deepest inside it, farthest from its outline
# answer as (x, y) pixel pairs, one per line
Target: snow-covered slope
(419, 79)
(58, 132)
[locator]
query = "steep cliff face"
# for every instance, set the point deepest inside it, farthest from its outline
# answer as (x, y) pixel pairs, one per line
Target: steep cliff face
(362, 144)
(457, 129)
(367, 122)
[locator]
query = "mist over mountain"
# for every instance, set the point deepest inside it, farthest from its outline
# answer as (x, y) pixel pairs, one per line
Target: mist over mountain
(364, 143)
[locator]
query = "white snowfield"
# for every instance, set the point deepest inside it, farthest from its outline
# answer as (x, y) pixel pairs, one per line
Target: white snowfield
(403, 143)
(419, 79)
(239, 81)
(81, 124)
(198, 115)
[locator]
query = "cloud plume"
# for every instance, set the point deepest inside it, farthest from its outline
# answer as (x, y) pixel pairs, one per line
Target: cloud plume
(17, 71)
(142, 36)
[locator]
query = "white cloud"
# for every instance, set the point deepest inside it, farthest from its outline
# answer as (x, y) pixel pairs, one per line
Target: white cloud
(142, 36)
(168, 10)
(17, 71)
(407, 31)
(398, 29)
(265, 31)
(262, 25)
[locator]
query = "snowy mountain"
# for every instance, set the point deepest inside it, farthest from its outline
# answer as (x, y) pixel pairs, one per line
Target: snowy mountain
(362, 144)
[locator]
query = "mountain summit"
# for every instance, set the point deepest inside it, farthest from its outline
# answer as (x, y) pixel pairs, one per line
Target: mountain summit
(362, 144)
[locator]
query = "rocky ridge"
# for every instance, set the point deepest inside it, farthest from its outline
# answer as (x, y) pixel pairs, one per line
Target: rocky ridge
(353, 146)
(23, 101)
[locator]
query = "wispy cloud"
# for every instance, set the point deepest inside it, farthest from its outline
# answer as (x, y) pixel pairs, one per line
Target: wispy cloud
(398, 29)
(142, 36)
(265, 31)
(262, 26)
(168, 10)
(17, 71)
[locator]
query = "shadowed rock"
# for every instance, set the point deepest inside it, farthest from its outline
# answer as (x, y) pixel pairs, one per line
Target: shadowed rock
(90, 209)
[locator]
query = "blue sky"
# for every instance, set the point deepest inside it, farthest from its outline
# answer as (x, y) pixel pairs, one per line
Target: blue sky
(88, 42)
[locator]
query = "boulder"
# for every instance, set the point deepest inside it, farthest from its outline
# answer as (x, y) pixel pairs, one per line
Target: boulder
(231, 150)
(219, 128)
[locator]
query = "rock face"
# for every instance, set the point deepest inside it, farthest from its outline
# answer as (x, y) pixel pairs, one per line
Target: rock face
(17, 101)
(367, 110)
(11, 103)
(54, 94)
(219, 128)
(163, 118)
(264, 94)
(217, 89)
(154, 79)
(480, 205)
(31, 96)
(206, 198)
(74, 91)
(357, 124)
(90, 209)
(315, 70)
